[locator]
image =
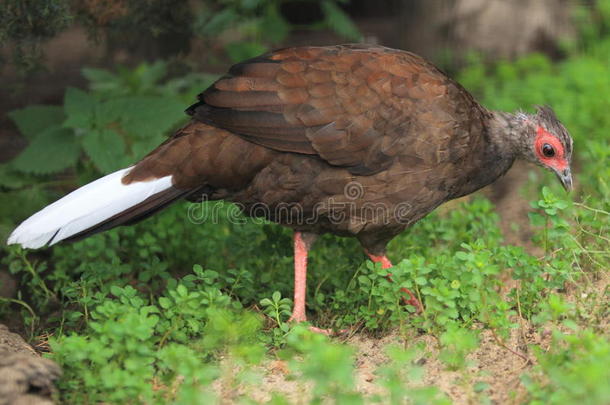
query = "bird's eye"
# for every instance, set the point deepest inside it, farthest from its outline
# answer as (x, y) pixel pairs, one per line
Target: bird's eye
(548, 150)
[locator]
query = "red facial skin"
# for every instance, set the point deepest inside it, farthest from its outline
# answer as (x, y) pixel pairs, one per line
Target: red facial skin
(557, 162)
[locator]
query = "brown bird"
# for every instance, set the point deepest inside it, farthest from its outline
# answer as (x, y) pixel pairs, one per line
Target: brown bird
(355, 140)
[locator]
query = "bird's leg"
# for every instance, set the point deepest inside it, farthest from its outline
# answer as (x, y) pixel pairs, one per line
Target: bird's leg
(300, 278)
(386, 264)
(302, 243)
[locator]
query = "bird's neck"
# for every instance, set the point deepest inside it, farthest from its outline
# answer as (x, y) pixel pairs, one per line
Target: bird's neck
(508, 133)
(500, 146)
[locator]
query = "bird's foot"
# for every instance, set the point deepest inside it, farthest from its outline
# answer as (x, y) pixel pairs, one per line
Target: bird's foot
(413, 301)
(301, 317)
(297, 317)
(386, 264)
(328, 332)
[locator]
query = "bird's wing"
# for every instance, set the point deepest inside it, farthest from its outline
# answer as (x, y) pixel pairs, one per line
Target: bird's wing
(354, 106)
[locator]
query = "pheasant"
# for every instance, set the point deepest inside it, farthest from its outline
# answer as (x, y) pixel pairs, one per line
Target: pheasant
(354, 140)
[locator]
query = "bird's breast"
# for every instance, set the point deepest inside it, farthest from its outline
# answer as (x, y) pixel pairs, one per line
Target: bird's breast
(308, 194)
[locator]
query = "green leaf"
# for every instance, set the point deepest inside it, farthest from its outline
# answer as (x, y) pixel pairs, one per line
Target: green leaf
(421, 280)
(10, 178)
(148, 116)
(536, 219)
(604, 9)
(276, 296)
(79, 108)
(273, 25)
(219, 22)
(547, 194)
(142, 147)
(181, 290)
(462, 255)
(101, 80)
(339, 21)
(239, 51)
(106, 149)
(116, 290)
(562, 205)
(108, 112)
(74, 315)
(150, 74)
(164, 302)
(52, 151)
(364, 280)
(35, 119)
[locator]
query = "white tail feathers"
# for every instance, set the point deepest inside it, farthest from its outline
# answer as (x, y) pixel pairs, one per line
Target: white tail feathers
(84, 208)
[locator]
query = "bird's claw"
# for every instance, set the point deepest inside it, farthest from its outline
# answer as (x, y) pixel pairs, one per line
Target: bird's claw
(413, 301)
(299, 318)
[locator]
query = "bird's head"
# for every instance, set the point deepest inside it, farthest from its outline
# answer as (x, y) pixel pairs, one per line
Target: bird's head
(548, 144)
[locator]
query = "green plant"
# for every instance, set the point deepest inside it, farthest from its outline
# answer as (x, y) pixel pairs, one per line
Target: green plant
(122, 119)
(318, 354)
(574, 370)
(547, 216)
(115, 360)
(27, 23)
(402, 373)
(244, 28)
(278, 309)
(457, 343)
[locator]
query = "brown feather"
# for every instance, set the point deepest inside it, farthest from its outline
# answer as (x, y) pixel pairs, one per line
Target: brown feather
(300, 125)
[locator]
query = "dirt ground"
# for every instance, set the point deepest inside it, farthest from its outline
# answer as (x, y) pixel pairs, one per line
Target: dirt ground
(493, 364)
(497, 363)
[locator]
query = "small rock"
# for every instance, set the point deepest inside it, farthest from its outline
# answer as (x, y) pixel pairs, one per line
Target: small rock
(25, 377)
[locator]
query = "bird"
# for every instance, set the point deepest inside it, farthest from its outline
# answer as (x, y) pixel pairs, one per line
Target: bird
(354, 140)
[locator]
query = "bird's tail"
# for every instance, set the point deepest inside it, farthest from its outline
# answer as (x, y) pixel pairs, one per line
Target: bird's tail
(95, 207)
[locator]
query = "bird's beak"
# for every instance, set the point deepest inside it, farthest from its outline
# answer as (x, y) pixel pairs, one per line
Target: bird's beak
(565, 177)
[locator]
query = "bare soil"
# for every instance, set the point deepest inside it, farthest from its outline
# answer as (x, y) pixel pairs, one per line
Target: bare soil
(497, 362)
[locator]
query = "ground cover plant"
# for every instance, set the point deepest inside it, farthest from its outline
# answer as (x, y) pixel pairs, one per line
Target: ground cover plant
(192, 305)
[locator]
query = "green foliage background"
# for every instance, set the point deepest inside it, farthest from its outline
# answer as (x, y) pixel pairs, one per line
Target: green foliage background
(163, 311)
(244, 28)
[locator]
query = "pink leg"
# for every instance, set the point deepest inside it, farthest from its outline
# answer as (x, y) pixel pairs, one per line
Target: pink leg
(300, 279)
(386, 264)
(300, 285)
